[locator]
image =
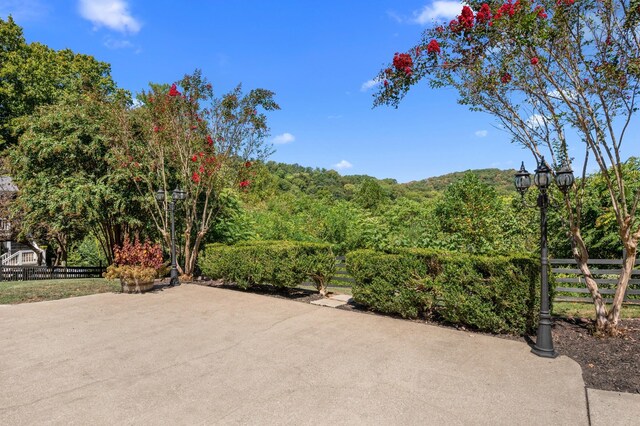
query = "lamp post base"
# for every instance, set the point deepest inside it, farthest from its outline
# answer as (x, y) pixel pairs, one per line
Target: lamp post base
(544, 341)
(545, 353)
(174, 282)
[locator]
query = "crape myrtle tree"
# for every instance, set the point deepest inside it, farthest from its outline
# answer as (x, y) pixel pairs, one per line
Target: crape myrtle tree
(183, 136)
(550, 72)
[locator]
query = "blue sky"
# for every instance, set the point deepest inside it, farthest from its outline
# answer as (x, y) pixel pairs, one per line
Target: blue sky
(318, 57)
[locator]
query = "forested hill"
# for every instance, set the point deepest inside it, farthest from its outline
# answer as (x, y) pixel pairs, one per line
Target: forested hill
(501, 180)
(322, 182)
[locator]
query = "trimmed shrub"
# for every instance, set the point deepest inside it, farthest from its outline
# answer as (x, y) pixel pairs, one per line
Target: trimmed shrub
(497, 294)
(278, 263)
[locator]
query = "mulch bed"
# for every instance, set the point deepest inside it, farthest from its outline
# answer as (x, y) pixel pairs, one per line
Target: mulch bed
(611, 363)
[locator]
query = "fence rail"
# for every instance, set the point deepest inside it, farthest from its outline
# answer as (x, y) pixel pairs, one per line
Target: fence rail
(28, 273)
(341, 277)
(605, 275)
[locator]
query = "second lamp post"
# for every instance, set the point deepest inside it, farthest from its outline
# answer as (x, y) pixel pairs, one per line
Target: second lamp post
(177, 195)
(542, 179)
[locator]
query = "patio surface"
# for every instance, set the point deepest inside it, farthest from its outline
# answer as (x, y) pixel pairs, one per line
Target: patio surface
(199, 355)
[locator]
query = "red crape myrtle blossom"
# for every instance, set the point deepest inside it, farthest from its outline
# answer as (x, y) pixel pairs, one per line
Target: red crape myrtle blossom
(506, 77)
(484, 14)
(433, 47)
(534, 61)
(244, 183)
(465, 19)
(540, 12)
(195, 177)
(507, 9)
(403, 62)
(174, 91)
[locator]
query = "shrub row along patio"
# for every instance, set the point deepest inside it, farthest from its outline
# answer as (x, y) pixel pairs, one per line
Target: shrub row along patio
(279, 263)
(496, 294)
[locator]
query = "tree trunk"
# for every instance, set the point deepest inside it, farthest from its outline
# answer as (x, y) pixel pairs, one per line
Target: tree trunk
(581, 255)
(623, 282)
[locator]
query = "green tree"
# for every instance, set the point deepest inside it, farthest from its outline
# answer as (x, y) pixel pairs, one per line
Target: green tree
(546, 70)
(67, 187)
(370, 195)
(471, 211)
(32, 75)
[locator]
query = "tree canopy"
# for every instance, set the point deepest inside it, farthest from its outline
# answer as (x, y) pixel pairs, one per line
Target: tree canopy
(32, 74)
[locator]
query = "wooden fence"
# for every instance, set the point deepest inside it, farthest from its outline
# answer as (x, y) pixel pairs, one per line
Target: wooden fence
(341, 278)
(28, 273)
(606, 272)
(570, 286)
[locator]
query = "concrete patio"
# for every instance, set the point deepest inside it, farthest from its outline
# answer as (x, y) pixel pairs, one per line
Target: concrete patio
(199, 355)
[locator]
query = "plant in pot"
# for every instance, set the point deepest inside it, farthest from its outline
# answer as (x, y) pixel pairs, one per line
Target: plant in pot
(136, 265)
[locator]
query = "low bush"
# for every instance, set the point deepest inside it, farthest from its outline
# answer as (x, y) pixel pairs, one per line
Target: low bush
(279, 263)
(496, 294)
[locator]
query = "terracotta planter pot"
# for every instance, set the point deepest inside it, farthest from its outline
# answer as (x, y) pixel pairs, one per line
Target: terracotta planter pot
(133, 287)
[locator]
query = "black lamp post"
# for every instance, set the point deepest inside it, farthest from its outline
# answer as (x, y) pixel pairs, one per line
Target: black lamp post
(177, 195)
(542, 179)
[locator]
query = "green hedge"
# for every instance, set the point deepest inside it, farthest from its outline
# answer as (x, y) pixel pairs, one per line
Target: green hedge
(279, 263)
(496, 294)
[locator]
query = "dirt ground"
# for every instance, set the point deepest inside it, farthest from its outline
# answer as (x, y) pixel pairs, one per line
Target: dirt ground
(607, 363)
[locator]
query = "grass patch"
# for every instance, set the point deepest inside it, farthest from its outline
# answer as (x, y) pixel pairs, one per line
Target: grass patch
(13, 292)
(586, 310)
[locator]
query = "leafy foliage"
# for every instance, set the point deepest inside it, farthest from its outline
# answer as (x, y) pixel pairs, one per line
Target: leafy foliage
(496, 294)
(67, 185)
(144, 254)
(33, 75)
(278, 263)
(136, 263)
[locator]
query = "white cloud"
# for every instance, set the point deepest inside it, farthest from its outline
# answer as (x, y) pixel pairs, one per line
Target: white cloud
(113, 14)
(482, 133)
(369, 84)
(284, 138)
(439, 10)
(393, 15)
(344, 164)
(535, 121)
(111, 43)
